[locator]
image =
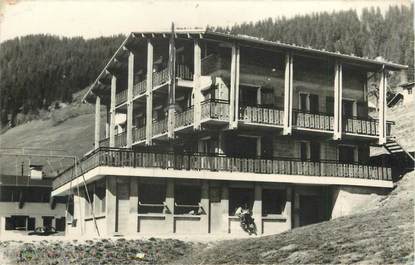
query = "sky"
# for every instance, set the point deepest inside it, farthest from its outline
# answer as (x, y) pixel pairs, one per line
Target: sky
(94, 18)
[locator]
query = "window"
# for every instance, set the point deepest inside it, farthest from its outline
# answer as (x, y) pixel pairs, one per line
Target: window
(348, 108)
(151, 198)
(248, 96)
(310, 151)
(314, 105)
(346, 154)
(330, 105)
(24, 194)
(304, 151)
(309, 103)
(314, 151)
(47, 221)
(187, 199)
(19, 222)
(303, 102)
(238, 197)
(273, 201)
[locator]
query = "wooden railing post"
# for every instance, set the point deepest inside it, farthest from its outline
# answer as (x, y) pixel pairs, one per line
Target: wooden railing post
(382, 106)
(234, 90)
(172, 86)
(97, 121)
(288, 94)
(130, 102)
(338, 88)
(112, 110)
(149, 93)
(196, 85)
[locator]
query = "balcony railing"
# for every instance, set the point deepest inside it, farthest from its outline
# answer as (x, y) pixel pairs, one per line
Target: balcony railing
(261, 114)
(140, 88)
(159, 78)
(319, 121)
(366, 126)
(215, 109)
(139, 134)
(121, 97)
(120, 139)
(214, 162)
(160, 126)
(184, 118)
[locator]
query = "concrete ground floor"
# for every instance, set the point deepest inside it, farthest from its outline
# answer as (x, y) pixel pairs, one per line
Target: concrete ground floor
(140, 206)
(17, 219)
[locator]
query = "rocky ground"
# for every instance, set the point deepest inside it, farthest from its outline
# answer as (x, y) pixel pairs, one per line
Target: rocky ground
(104, 251)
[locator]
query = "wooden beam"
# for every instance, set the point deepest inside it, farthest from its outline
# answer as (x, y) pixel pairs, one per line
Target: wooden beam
(196, 86)
(172, 85)
(338, 98)
(97, 121)
(112, 110)
(383, 84)
(149, 93)
(288, 94)
(234, 94)
(130, 102)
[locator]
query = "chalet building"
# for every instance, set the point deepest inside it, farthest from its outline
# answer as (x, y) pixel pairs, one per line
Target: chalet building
(210, 121)
(26, 203)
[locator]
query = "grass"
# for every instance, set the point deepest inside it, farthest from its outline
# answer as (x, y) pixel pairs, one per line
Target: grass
(75, 135)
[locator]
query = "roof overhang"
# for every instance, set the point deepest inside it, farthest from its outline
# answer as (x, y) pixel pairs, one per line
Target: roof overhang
(248, 41)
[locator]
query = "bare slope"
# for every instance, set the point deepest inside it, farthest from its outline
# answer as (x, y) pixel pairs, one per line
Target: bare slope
(74, 134)
(383, 235)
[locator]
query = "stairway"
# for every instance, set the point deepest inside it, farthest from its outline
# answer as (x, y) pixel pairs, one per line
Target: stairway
(401, 157)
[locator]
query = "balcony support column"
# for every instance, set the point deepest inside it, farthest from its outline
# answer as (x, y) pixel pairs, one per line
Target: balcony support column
(338, 95)
(257, 207)
(133, 219)
(112, 111)
(382, 106)
(97, 121)
(225, 208)
(172, 87)
(204, 203)
(169, 211)
(149, 93)
(288, 208)
(130, 103)
(111, 204)
(107, 124)
(288, 95)
(196, 86)
(234, 91)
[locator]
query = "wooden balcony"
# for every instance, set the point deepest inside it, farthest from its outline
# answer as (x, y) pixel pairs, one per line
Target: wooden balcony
(115, 157)
(160, 127)
(351, 125)
(159, 78)
(261, 115)
(215, 109)
(139, 134)
(316, 121)
(184, 118)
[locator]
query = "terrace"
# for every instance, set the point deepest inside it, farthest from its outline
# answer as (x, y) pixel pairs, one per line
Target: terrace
(177, 164)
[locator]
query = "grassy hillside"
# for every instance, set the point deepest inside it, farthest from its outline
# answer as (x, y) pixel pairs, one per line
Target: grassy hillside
(383, 235)
(70, 129)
